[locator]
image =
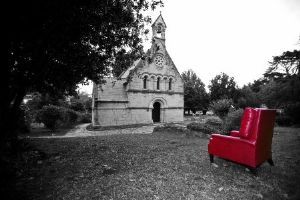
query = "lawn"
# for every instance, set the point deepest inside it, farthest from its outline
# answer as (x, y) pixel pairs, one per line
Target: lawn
(162, 165)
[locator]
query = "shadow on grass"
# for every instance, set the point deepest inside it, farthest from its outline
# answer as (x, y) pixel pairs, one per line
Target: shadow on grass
(44, 132)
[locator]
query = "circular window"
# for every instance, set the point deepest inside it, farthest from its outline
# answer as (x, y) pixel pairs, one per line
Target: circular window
(159, 61)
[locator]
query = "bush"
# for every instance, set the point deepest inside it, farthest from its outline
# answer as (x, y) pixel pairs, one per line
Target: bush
(85, 118)
(283, 120)
(233, 120)
(50, 116)
(214, 121)
(292, 110)
(24, 119)
(221, 107)
(77, 106)
(170, 128)
(69, 116)
(204, 128)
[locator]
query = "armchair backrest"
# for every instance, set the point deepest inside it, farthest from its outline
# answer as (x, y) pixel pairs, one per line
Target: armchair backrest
(263, 130)
(257, 126)
(256, 123)
(248, 120)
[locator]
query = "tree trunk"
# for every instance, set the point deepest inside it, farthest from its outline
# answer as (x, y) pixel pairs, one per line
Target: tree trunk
(10, 111)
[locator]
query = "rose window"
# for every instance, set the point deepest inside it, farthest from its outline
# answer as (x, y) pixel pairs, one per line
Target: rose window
(159, 61)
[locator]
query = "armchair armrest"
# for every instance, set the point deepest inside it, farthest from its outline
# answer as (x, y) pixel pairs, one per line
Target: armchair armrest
(235, 133)
(232, 148)
(232, 140)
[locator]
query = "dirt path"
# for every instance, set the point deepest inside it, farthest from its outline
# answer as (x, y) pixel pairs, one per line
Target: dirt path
(81, 131)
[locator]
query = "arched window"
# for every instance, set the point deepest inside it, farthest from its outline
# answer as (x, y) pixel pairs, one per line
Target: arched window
(145, 82)
(170, 84)
(158, 83)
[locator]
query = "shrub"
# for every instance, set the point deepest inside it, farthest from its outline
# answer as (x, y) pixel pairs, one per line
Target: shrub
(85, 118)
(283, 120)
(69, 116)
(214, 121)
(24, 119)
(170, 128)
(221, 107)
(77, 106)
(292, 110)
(204, 128)
(233, 120)
(50, 116)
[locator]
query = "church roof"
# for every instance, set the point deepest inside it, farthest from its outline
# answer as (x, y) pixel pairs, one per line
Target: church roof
(127, 72)
(159, 18)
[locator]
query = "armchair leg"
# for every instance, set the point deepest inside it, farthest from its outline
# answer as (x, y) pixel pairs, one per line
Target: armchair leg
(211, 158)
(253, 171)
(270, 161)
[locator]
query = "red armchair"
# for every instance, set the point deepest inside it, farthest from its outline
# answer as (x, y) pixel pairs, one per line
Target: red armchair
(251, 145)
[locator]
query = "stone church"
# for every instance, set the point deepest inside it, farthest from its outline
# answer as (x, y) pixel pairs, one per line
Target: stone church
(149, 91)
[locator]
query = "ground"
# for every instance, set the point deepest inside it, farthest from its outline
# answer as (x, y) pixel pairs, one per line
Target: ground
(161, 165)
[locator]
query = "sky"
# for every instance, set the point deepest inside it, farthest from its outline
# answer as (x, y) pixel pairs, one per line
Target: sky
(237, 37)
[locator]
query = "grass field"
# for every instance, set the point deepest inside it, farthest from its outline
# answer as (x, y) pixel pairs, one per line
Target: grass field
(162, 165)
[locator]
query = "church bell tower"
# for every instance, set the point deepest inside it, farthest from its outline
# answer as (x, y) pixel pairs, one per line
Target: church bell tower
(159, 29)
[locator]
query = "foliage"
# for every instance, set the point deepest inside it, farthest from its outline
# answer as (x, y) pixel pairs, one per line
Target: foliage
(173, 128)
(284, 66)
(69, 116)
(223, 86)
(233, 120)
(50, 116)
(284, 79)
(76, 105)
(214, 121)
(24, 119)
(81, 102)
(257, 84)
(204, 128)
(72, 110)
(55, 116)
(125, 59)
(248, 98)
(195, 96)
(85, 118)
(283, 120)
(283, 88)
(53, 45)
(221, 107)
(292, 110)
(278, 93)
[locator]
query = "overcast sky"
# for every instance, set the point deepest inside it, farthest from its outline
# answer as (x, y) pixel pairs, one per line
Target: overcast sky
(237, 37)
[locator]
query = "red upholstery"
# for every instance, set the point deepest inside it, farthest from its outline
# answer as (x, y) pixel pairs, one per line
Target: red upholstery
(251, 145)
(247, 121)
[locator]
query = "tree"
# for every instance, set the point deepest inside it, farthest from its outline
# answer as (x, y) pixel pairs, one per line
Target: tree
(53, 45)
(195, 96)
(256, 85)
(284, 66)
(248, 98)
(125, 59)
(81, 102)
(223, 86)
(283, 88)
(284, 79)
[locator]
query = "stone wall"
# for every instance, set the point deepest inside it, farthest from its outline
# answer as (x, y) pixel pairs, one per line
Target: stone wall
(112, 90)
(126, 116)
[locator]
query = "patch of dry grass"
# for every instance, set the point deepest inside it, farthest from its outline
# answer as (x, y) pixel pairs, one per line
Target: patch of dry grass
(162, 165)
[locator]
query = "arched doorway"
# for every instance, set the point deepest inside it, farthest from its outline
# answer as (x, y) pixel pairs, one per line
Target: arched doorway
(156, 112)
